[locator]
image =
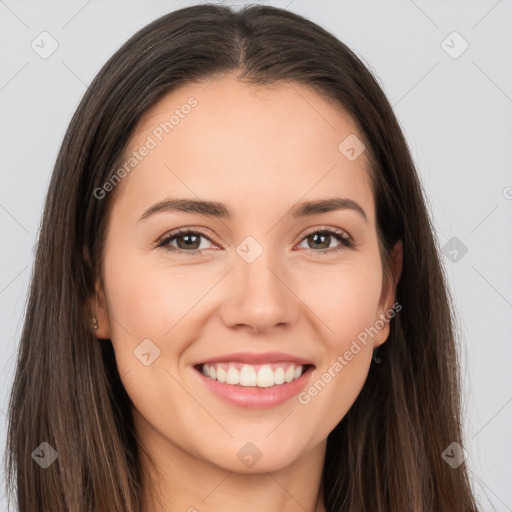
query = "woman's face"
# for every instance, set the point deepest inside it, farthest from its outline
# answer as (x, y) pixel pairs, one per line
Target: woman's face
(272, 289)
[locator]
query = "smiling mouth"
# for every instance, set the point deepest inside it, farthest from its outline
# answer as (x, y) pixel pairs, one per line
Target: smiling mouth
(254, 375)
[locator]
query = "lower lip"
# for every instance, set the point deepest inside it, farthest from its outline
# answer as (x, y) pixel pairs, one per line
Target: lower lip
(254, 397)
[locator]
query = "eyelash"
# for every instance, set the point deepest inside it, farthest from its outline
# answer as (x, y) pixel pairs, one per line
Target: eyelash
(346, 242)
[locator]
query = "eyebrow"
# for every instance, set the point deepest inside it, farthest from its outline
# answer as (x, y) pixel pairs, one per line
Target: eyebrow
(219, 210)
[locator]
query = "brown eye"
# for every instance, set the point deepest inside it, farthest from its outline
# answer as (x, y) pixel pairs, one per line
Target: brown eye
(320, 241)
(186, 241)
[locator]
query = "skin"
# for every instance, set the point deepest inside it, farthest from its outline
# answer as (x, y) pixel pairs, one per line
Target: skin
(259, 150)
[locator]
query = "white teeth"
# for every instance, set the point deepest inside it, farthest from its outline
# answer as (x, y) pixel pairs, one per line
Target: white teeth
(221, 374)
(262, 376)
(233, 376)
(265, 377)
(279, 376)
(247, 376)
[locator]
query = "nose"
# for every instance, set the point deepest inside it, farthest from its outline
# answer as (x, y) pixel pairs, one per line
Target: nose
(260, 296)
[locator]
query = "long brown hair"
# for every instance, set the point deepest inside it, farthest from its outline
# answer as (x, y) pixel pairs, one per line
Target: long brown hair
(386, 453)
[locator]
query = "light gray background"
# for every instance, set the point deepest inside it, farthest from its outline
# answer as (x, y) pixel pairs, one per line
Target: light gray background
(456, 114)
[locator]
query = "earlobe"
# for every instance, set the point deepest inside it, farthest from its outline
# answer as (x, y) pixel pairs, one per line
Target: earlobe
(98, 317)
(389, 292)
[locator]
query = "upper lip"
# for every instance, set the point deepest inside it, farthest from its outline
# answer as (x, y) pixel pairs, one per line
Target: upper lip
(257, 358)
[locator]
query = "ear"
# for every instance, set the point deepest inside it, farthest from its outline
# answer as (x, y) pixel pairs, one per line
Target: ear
(386, 311)
(98, 305)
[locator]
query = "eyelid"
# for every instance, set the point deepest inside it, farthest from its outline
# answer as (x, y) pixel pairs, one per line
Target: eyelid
(332, 229)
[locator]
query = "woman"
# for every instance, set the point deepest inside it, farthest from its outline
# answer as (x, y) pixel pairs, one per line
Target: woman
(187, 345)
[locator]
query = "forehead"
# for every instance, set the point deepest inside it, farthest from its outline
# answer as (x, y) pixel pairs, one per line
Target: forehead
(231, 141)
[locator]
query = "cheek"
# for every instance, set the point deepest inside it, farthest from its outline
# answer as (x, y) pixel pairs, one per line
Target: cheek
(328, 398)
(345, 298)
(348, 353)
(150, 318)
(154, 309)
(149, 300)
